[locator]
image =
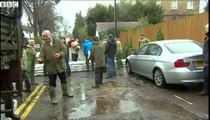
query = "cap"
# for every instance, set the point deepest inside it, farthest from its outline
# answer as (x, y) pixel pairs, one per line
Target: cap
(110, 36)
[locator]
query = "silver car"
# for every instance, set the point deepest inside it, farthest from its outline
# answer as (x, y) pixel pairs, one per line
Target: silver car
(177, 61)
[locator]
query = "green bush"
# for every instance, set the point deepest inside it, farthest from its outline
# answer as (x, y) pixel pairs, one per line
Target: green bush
(127, 50)
(160, 35)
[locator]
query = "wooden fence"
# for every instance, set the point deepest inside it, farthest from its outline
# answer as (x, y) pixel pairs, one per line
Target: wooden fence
(191, 27)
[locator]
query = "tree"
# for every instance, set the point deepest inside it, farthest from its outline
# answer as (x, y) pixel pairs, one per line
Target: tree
(34, 11)
(100, 13)
(153, 12)
(82, 34)
(128, 11)
(62, 27)
(79, 26)
(47, 18)
(137, 11)
(79, 21)
(206, 9)
(66, 28)
(125, 11)
(91, 29)
(27, 28)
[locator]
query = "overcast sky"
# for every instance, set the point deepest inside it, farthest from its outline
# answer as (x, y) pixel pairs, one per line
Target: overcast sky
(69, 8)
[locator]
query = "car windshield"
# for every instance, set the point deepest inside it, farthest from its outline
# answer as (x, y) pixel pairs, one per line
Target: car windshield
(183, 47)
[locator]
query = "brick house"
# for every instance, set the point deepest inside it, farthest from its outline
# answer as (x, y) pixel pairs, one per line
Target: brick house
(174, 9)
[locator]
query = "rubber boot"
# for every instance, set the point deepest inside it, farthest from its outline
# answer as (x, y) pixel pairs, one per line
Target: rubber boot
(52, 95)
(28, 86)
(65, 90)
(96, 83)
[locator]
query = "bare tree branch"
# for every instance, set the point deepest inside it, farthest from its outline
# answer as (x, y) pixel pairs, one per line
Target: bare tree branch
(27, 6)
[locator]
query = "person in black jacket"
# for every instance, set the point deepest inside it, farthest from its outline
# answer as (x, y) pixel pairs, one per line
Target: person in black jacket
(110, 52)
(205, 90)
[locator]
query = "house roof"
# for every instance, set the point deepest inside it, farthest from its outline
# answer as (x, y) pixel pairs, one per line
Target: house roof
(103, 26)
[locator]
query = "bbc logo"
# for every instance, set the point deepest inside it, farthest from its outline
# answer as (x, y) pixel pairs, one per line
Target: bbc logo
(9, 4)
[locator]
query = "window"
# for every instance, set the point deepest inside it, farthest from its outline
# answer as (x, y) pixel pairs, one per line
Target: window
(174, 4)
(154, 50)
(142, 50)
(183, 47)
(158, 2)
(190, 4)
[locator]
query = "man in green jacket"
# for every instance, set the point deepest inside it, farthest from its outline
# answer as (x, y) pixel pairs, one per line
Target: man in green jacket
(97, 55)
(30, 58)
(53, 53)
(24, 76)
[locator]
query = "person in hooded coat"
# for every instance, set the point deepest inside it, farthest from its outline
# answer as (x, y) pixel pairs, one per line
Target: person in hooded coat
(205, 90)
(87, 46)
(97, 56)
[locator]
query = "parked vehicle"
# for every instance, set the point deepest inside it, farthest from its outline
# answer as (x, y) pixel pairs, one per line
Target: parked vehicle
(11, 52)
(177, 61)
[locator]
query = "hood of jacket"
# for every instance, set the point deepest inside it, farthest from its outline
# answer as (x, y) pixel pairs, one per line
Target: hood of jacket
(86, 41)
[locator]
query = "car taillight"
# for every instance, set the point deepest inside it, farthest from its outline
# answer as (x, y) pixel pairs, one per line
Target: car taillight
(180, 63)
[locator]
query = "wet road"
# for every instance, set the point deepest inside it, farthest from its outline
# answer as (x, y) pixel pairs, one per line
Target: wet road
(123, 97)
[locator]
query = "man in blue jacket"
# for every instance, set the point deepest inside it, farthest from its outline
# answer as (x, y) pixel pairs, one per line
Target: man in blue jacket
(87, 46)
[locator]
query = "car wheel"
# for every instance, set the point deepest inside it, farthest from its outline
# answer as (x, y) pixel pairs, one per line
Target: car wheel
(159, 78)
(128, 68)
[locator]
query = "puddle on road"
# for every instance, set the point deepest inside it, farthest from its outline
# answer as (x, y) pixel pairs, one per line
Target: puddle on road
(100, 107)
(115, 99)
(109, 99)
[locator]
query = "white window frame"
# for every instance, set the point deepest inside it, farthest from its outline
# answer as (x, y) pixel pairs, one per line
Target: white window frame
(174, 4)
(190, 4)
(158, 2)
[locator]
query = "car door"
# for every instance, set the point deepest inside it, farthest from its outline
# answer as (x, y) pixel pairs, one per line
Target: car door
(150, 58)
(139, 59)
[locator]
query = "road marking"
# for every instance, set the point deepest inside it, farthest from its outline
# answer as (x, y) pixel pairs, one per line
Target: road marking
(28, 110)
(183, 100)
(20, 108)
